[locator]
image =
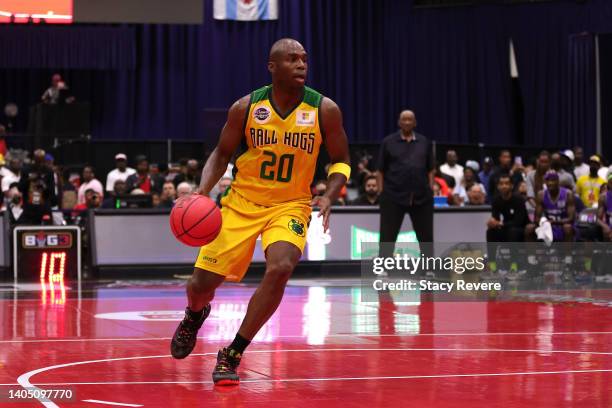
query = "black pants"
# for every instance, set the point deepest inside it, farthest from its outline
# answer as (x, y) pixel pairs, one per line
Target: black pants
(506, 255)
(392, 216)
(506, 234)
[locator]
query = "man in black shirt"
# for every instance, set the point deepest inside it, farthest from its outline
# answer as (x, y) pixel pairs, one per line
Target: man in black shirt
(370, 196)
(509, 215)
(507, 223)
(405, 175)
(504, 168)
(37, 186)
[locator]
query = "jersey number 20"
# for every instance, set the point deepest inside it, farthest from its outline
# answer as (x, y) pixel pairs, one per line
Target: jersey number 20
(269, 170)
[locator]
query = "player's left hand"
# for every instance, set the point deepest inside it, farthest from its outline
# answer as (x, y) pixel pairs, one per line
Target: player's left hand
(324, 205)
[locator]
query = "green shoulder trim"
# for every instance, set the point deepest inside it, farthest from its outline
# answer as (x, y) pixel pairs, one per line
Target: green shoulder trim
(312, 97)
(260, 94)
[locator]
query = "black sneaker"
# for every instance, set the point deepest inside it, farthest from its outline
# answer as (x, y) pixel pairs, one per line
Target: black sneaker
(225, 370)
(184, 339)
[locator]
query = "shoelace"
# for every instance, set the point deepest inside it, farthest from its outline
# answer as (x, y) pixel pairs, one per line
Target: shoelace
(225, 364)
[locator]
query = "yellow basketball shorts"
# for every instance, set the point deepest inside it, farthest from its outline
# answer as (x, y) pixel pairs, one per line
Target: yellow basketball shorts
(242, 222)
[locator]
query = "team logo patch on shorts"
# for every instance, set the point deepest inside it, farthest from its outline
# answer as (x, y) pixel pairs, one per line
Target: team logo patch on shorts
(261, 114)
(296, 227)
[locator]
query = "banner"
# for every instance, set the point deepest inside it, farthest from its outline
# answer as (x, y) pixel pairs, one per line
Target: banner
(245, 10)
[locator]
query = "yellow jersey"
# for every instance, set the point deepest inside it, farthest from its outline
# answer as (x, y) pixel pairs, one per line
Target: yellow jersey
(278, 156)
(588, 189)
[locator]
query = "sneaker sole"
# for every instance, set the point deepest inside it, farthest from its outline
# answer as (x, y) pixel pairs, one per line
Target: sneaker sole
(227, 382)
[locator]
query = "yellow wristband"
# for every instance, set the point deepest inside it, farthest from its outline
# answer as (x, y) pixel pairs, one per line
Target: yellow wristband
(341, 168)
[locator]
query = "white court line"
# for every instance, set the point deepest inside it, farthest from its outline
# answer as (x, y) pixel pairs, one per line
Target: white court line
(397, 377)
(330, 335)
(112, 403)
(24, 379)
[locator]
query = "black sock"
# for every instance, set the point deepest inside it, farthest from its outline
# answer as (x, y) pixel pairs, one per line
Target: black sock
(195, 316)
(239, 344)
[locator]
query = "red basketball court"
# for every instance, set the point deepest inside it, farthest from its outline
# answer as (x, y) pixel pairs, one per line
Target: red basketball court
(323, 348)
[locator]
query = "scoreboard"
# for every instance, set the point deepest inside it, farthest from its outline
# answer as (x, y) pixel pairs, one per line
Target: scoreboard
(101, 11)
(35, 11)
(47, 254)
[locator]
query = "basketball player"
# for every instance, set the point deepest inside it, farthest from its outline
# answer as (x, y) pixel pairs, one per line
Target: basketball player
(279, 129)
(604, 211)
(557, 205)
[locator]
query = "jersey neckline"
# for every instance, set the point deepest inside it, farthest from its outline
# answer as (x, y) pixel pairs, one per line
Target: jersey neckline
(276, 110)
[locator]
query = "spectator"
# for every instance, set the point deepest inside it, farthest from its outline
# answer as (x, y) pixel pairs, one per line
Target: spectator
(321, 187)
(578, 203)
(38, 189)
(168, 195)
(437, 189)
(184, 189)
(119, 189)
(476, 195)
(535, 178)
(121, 171)
(460, 195)
(508, 214)
(603, 170)
(222, 186)
(229, 173)
(507, 223)
(406, 176)
(89, 182)
(92, 200)
(11, 174)
(174, 170)
(565, 178)
(452, 168)
(191, 174)
(557, 205)
(505, 167)
(473, 164)
(604, 211)
(364, 170)
(156, 200)
(485, 173)
(14, 207)
(567, 162)
(448, 180)
(143, 180)
(443, 188)
(3, 147)
(57, 92)
(589, 185)
(580, 167)
(370, 195)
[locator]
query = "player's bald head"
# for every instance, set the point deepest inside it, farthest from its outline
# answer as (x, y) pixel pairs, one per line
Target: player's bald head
(283, 47)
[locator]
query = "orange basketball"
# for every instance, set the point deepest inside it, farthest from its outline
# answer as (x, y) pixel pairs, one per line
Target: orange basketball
(195, 220)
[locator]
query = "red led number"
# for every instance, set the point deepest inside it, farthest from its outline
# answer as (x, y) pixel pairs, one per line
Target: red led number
(48, 263)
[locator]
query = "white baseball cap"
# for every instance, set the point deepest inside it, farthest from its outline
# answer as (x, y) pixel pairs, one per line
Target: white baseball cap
(569, 154)
(120, 156)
